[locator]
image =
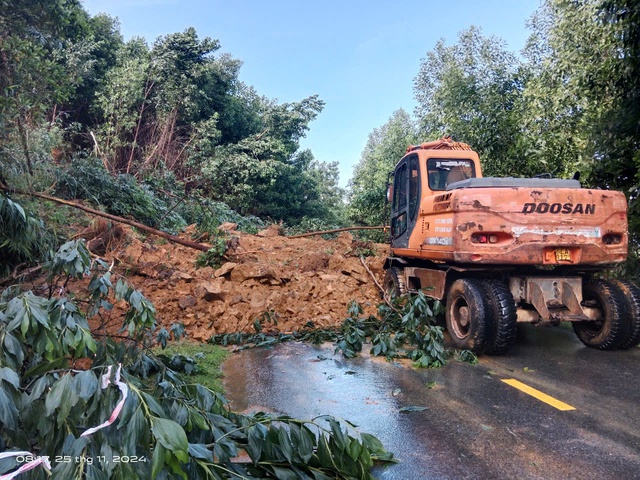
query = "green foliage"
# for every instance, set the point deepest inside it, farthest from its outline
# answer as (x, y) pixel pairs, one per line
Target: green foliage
(385, 147)
(472, 91)
(404, 329)
(352, 335)
(163, 425)
(159, 201)
(175, 106)
(467, 356)
(215, 255)
(200, 362)
(22, 236)
(120, 195)
(266, 176)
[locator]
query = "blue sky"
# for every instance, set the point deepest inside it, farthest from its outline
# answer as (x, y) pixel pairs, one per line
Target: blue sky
(359, 56)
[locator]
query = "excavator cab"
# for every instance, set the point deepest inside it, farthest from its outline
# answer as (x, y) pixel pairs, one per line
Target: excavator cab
(405, 201)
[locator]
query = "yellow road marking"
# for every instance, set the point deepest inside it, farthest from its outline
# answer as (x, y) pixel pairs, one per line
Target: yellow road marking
(543, 397)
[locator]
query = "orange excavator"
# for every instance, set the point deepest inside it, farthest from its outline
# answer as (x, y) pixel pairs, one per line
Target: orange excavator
(498, 251)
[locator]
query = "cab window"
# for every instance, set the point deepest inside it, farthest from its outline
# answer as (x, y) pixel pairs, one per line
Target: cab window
(443, 172)
(414, 187)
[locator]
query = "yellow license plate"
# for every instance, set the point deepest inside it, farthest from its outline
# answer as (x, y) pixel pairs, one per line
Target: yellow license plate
(563, 254)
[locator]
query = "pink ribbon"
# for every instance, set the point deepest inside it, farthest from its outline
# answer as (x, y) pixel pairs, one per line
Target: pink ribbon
(104, 383)
(27, 466)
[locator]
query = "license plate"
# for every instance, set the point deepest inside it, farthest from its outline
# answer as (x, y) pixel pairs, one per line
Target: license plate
(563, 255)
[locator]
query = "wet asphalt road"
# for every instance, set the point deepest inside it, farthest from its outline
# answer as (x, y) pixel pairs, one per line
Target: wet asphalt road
(475, 426)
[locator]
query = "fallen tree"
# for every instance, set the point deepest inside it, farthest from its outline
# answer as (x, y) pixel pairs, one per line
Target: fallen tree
(337, 230)
(172, 238)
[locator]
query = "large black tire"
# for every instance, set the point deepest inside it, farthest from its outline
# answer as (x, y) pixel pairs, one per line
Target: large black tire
(632, 296)
(612, 331)
(466, 315)
(501, 309)
(394, 283)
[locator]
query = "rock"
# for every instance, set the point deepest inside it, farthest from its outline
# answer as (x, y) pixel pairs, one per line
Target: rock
(243, 272)
(216, 311)
(330, 277)
(257, 301)
(314, 261)
(273, 230)
(206, 272)
(177, 275)
(345, 239)
(236, 299)
(187, 302)
(210, 291)
(228, 227)
(224, 269)
(360, 277)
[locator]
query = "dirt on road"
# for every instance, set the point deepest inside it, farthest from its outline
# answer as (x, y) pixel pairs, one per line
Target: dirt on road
(292, 280)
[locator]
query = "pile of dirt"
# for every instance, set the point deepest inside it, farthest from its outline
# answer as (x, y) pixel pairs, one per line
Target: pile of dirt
(295, 281)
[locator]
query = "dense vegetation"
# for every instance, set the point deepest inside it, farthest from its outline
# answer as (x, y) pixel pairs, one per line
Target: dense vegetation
(570, 102)
(167, 134)
(77, 98)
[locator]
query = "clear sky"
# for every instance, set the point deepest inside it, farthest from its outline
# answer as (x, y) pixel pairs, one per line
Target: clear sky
(359, 56)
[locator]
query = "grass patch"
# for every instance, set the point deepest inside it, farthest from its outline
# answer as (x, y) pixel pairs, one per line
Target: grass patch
(201, 362)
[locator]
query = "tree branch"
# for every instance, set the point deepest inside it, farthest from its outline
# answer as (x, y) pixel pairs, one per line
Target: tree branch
(172, 238)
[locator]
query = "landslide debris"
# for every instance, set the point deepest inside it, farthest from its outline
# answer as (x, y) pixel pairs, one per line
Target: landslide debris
(295, 281)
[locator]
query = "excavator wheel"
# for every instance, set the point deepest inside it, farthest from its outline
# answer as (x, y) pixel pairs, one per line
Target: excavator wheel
(468, 323)
(632, 296)
(613, 331)
(501, 309)
(394, 283)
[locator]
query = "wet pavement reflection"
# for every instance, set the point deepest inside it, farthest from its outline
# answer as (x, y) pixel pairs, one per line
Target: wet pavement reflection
(474, 425)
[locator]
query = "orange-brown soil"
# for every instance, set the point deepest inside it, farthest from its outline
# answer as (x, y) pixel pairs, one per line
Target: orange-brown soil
(296, 281)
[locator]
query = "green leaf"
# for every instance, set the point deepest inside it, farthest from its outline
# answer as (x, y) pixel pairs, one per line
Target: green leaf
(338, 435)
(200, 450)
(373, 444)
(284, 473)
(44, 367)
(10, 376)
(285, 444)
(159, 454)
(57, 394)
(324, 452)
(8, 410)
(355, 449)
(225, 450)
(303, 441)
(256, 435)
(431, 385)
(85, 384)
(412, 408)
(153, 404)
(13, 346)
(169, 434)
